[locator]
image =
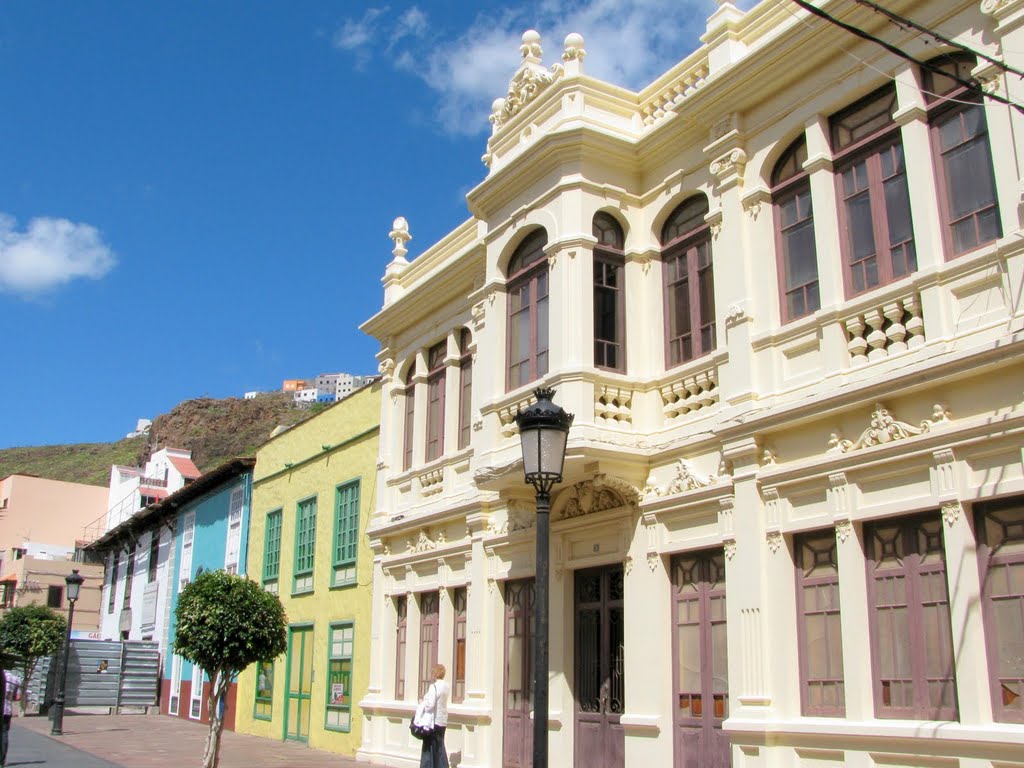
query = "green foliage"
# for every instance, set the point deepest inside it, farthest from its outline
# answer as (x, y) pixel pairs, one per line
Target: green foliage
(87, 463)
(227, 622)
(31, 632)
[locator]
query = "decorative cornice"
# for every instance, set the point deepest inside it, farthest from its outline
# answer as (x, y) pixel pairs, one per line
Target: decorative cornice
(686, 479)
(885, 428)
(529, 80)
(595, 495)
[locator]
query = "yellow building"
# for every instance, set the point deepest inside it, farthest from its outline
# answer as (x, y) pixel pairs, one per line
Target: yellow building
(313, 490)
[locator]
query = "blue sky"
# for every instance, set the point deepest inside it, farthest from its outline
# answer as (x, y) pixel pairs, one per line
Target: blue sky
(195, 197)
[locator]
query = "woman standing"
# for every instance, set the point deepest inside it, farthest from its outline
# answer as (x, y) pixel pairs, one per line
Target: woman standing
(434, 708)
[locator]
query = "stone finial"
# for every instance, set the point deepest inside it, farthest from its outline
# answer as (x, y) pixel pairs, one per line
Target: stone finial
(530, 49)
(400, 235)
(573, 50)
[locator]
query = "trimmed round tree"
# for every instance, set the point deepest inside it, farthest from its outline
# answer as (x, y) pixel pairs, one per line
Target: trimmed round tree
(224, 623)
(27, 634)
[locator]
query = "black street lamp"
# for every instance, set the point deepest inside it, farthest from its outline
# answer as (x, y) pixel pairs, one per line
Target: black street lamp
(543, 430)
(74, 583)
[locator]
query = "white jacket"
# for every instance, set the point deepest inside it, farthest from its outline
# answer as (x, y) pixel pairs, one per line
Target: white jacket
(433, 709)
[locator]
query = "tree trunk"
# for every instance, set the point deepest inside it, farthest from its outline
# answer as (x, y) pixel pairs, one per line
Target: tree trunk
(218, 688)
(26, 674)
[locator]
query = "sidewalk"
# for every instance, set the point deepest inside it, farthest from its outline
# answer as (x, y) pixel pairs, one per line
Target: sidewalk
(158, 741)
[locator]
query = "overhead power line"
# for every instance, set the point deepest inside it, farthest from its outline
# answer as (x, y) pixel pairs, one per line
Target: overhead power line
(903, 21)
(970, 85)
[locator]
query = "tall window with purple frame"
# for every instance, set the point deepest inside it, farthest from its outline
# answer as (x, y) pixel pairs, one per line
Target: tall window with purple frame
(818, 628)
(609, 295)
(465, 388)
(435, 400)
(963, 156)
(409, 398)
(689, 283)
(528, 311)
(1000, 528)
(794, 233)
(912, 640)
(871, 187)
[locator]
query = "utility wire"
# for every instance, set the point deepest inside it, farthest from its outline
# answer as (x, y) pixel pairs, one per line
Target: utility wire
(971, 86)
(888, 75)
(903, 21)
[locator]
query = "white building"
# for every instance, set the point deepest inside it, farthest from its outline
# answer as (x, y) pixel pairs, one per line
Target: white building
(305, 395)
(136, 596)
(781, 289)
(340, 384)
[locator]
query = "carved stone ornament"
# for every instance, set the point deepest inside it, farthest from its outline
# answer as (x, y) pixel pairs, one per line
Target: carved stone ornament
(686, 479)
(735, 314)
(729, 545)
(399, 234)
(774, 539)
(732, 162)
(843, 530)
(519, 517)
(951, 512)
(769, 458)
(423, 542)
(884, 428)
(386, 367)
(596, 495)
(574, 50)
(529, 80)
(993, 7)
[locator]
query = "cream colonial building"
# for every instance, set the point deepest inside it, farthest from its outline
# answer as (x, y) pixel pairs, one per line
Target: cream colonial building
(781, 290)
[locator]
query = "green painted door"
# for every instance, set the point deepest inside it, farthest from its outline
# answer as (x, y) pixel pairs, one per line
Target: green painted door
(300, 682)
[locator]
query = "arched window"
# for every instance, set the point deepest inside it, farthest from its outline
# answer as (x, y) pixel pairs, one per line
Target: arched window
(609, 295)
(435, 400)
(465, 388)
(963, 156)
(410, 415)
(689, 283)
(871, 187)
(794, 228)
(528, 311)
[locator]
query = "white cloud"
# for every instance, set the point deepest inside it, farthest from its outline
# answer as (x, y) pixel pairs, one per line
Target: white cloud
(50, 253)
(628, 42)
(412, 23)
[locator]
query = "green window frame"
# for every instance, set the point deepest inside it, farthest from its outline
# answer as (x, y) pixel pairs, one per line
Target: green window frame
(346, 534)
(341, 645)
(272, 550)
(305, 545)
(263, 706)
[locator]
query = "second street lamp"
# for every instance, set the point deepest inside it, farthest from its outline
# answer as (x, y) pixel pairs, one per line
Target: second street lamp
(543, 431)
(74, 585)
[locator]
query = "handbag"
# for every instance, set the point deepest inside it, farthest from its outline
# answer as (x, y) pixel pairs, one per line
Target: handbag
(418, 731)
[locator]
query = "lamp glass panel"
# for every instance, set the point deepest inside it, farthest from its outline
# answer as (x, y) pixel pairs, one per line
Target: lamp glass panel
(531, 451)
(552, 450)
(72, 589)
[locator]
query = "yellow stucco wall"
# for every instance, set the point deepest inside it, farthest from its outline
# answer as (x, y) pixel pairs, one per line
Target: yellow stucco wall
(313, 458)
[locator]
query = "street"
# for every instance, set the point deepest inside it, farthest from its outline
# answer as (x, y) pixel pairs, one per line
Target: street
(149, 741)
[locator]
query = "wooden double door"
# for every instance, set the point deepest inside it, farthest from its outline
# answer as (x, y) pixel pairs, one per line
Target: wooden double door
(600, 740)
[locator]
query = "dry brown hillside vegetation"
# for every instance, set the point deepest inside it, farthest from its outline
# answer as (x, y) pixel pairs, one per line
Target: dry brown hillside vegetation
(214, 430)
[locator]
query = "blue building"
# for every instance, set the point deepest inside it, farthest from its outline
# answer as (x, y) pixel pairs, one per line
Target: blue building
(211, 532)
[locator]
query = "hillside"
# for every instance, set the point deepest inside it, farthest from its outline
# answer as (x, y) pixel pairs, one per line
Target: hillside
(214, 430)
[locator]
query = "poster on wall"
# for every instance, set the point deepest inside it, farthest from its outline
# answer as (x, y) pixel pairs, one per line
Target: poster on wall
(337, 693)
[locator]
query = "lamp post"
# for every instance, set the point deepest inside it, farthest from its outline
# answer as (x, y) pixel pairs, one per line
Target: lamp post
(74, 584)
(543, 431)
